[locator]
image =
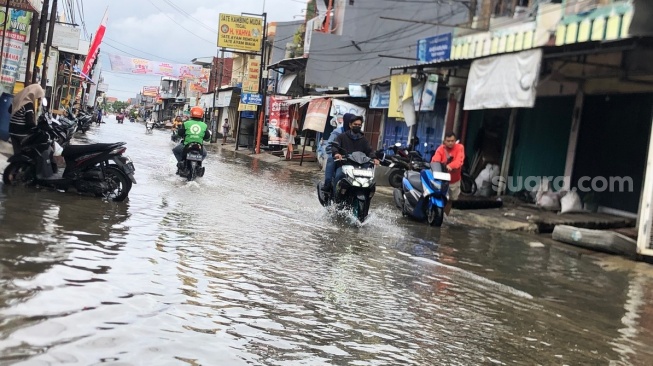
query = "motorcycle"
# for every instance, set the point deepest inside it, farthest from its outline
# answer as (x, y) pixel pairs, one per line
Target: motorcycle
(174, 136)
(148, 127)
(403, 161)
(98, 169)
(120, 118)
(192, 162)
(355, 190)
(84, 120)
(423, 195)
(132, 119)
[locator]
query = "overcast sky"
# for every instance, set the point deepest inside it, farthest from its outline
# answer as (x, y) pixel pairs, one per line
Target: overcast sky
(166, 30)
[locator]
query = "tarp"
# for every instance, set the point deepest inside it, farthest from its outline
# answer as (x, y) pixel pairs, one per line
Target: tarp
(506, 81)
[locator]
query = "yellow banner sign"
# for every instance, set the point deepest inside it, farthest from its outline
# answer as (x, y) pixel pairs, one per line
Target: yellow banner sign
(240, 33)
(250, 84)
(400, 91)
(247, 107)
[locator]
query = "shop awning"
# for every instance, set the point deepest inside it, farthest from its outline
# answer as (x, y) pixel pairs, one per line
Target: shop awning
(303, 100)
(290, 64)
(27, 5)
(505, 81)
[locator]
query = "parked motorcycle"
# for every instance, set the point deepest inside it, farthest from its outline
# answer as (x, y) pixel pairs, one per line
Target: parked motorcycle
(423, 195)
(192, 162)
(402, 161)
(354, 192)
(63, 128)
(98, 169)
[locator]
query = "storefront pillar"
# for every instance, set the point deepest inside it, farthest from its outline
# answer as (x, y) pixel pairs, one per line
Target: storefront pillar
(507, 152)
(573, 136)
(645, 217)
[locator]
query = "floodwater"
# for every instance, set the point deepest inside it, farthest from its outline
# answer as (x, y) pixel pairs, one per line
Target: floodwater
(244, 267)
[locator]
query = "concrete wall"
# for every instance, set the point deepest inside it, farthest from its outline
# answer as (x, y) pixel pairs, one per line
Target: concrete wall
(335, 61)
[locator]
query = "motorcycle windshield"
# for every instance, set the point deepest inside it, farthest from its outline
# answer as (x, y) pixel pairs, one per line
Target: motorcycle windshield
(359, 158)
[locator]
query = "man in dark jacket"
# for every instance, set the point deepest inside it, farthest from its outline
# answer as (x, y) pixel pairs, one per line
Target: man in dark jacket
(352, 141)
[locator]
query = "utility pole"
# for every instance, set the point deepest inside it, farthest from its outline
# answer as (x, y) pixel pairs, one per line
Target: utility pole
(217, 86)
(41, 36)
(53, 19)
(4, 32)
(262, 85)
(33, 35)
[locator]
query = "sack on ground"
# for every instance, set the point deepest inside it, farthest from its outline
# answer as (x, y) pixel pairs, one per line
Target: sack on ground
(484, 180)
(571, 202)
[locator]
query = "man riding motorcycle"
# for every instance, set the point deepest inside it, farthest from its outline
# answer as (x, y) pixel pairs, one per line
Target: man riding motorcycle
(351, 141)
(192, 131)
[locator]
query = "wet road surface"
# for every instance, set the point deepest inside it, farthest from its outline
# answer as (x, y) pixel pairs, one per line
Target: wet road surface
(243, 267)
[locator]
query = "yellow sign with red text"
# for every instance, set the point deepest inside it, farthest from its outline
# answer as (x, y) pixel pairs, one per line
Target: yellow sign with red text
(239, 32)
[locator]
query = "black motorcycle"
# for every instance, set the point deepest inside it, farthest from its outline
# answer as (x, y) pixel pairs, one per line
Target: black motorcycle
(354, 192)
(403, 161)
(98, 169)
(192, 162)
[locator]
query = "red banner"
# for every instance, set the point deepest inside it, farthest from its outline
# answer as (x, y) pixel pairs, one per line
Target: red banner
(95, 46)
(279, 125)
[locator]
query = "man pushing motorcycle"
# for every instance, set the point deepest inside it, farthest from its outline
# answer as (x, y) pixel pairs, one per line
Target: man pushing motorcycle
(192, 131)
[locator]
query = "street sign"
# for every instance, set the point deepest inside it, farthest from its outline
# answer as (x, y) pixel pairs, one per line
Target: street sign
(239, 32)
(249, 98)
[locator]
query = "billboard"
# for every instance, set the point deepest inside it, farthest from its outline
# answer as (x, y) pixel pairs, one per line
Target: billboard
(139, 66)
(239, 32)
(150, 91)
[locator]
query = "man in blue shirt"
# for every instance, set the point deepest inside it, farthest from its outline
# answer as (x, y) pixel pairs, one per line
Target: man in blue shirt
(330, 168)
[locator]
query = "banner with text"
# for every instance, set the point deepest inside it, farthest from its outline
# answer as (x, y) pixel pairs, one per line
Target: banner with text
(279, 125)
(150, 91)
(139, 66)
(15, 34)
(316, 116)
(239, 32)
(201, 85)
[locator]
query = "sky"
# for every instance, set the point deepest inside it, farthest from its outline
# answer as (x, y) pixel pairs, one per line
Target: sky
(165, 30)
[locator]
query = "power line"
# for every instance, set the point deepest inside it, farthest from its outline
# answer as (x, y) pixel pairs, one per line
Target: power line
(186, 29)
(183, 12)
(151, 54)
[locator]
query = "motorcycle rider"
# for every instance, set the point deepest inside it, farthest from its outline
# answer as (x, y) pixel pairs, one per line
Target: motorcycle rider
(352, 141)
(23, 114)
(330, 166)
(192, 131)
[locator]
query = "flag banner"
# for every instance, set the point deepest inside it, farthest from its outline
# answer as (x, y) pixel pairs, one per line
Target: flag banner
(139, 66)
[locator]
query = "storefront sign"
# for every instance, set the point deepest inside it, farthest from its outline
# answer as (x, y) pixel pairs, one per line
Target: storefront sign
(253, 70)
(357, 91)
(139, 66)
(15, 31)
(67, 37)
(424, 98)
(239, 32)
(103, 87)
(279, 125)
(339, 108)
(434, 49)
(316, 116)
(380, 96)
(223, 99)
(150, 91)
(249, 98)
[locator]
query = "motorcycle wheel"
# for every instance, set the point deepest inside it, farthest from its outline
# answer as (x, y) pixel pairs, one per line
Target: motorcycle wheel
(434, 216)
(192, 171)
(468, 186)
(395, 178)
(18, 173)
(360, 209)
(119, 184)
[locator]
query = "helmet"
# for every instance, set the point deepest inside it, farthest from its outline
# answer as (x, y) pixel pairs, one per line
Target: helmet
(197, 112)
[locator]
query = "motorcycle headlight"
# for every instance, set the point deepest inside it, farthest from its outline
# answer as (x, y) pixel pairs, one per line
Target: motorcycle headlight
(356, 183)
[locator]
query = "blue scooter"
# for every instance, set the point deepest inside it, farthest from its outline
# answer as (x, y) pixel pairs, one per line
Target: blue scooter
(424, 194)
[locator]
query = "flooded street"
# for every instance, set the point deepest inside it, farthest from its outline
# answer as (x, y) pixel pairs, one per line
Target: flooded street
(244, 267)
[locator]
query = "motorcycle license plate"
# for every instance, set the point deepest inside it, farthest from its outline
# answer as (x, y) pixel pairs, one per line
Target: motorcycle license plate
(194, 157)
(363, 173)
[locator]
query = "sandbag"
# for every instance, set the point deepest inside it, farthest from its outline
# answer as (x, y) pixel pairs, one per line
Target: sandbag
(571, 202)
(484, 180)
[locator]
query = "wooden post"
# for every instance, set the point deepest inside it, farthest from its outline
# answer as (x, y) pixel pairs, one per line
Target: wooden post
(33, 35)
(41, 36)
(301, 160)
(573, 135)
(46, 53)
